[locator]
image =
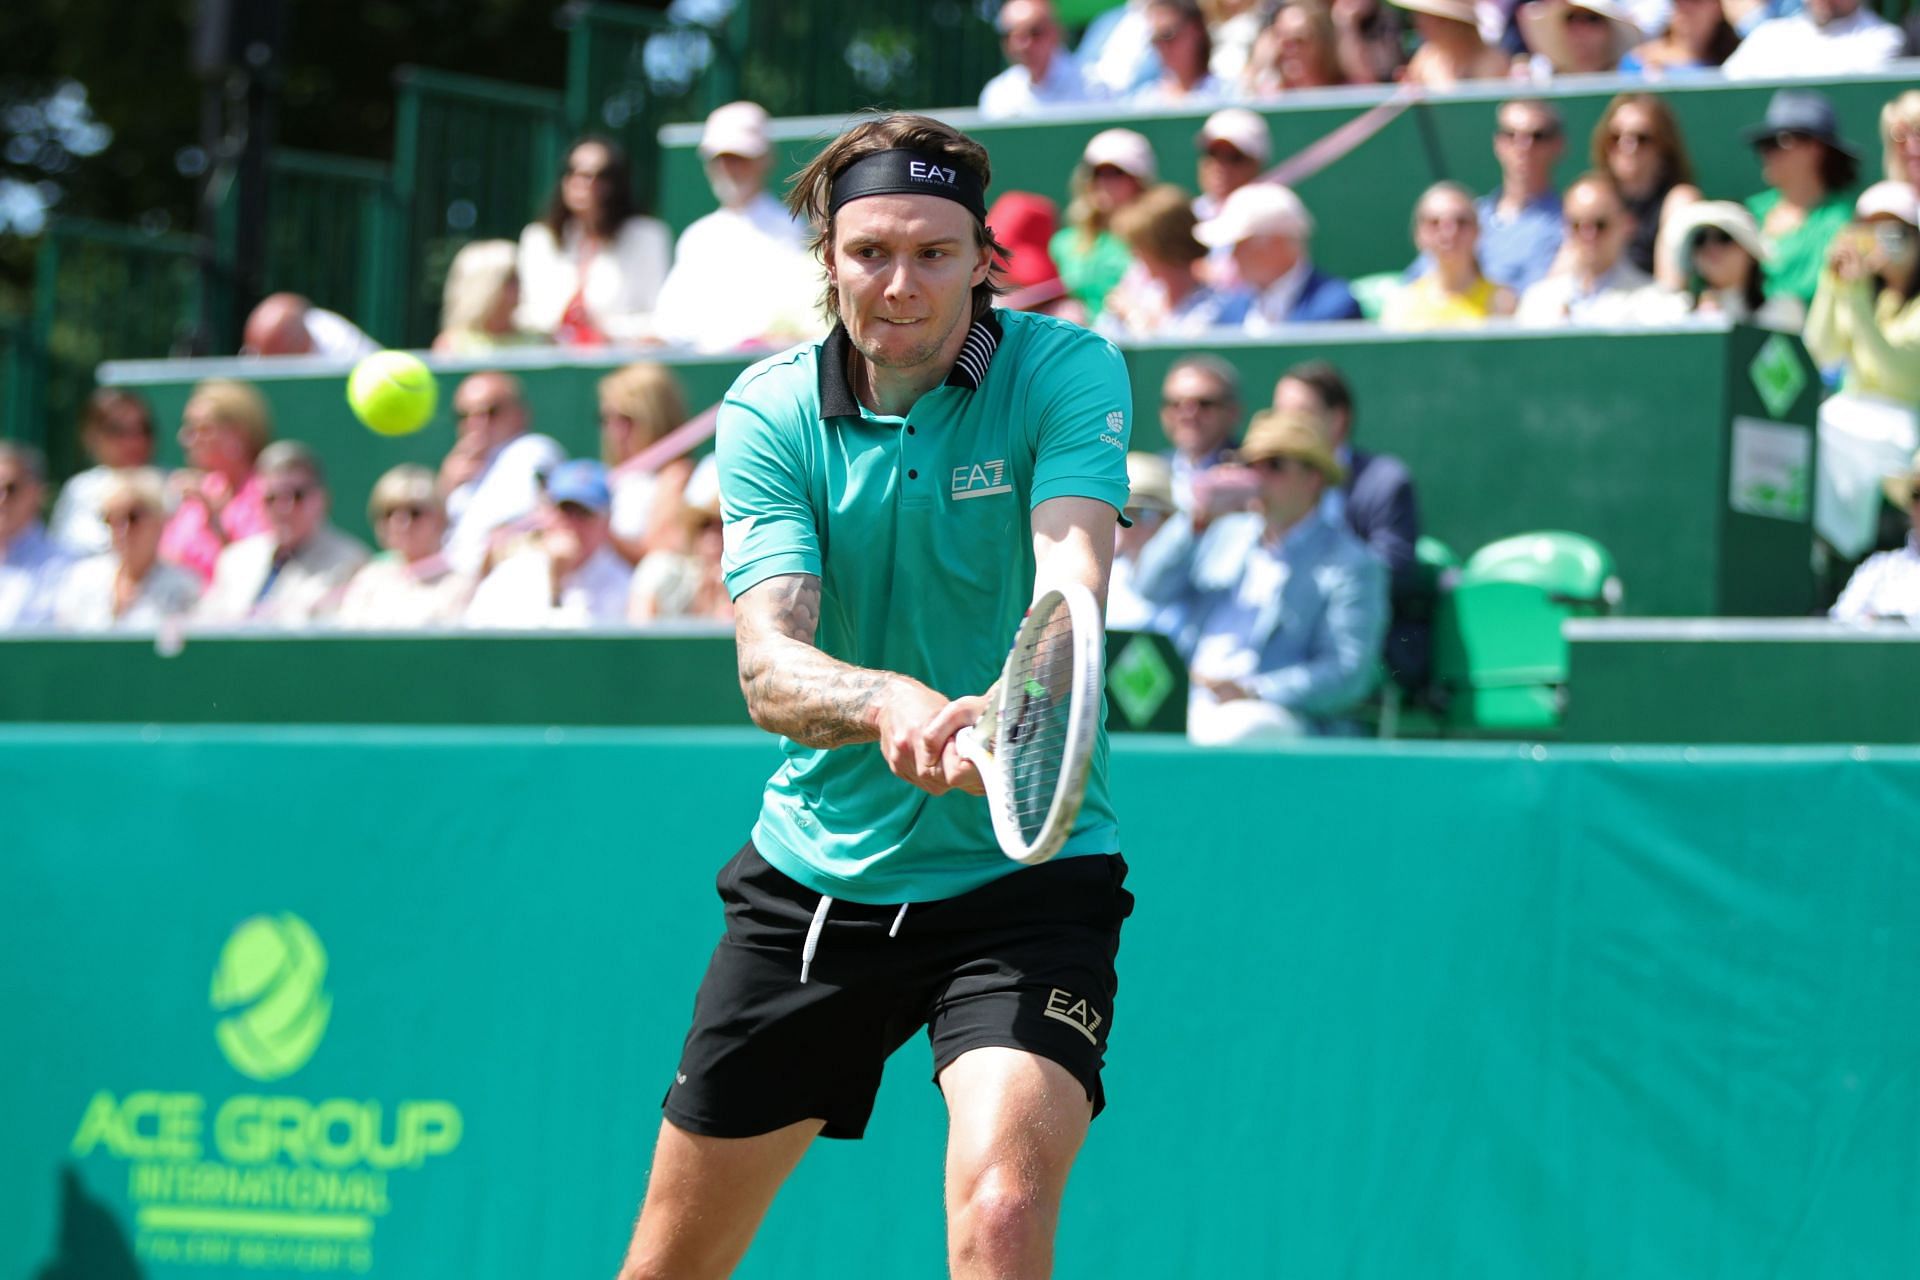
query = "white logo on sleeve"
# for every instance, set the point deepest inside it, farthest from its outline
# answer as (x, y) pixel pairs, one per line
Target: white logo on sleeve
(1116, 423)
(981, 479)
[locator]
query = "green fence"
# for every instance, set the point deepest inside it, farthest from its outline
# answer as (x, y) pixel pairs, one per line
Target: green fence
(1702, 680)
(1632, 438)
(1365, 201)
(18, 381)
(331, 236)
(472, 160)
(1546, 1016)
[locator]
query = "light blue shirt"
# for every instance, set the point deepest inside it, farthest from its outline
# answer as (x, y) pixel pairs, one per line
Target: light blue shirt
(1015, 93)
(31, 567)
(1517, 249)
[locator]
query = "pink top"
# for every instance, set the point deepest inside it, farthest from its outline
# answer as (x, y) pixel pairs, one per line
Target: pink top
(190, 541)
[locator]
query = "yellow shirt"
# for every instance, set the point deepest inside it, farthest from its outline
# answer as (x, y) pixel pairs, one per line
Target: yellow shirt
(1879, 339)
(1423, 304)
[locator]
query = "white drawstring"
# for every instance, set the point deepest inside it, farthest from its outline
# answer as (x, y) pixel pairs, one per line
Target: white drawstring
(819, 923)
(813, 937)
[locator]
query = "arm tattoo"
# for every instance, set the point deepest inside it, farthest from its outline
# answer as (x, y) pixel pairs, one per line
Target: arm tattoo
(792, 688)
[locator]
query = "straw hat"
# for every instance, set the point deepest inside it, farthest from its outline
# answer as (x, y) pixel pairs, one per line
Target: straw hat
(1149, 482)
(1901, 488)
(1543, 24)
(1452, 10)
(1291, 435)
(1722, 215)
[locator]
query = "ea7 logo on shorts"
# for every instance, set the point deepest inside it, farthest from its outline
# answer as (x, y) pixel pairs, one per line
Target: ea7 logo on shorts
(921, 171)
(981, 479)
(1064, 1006)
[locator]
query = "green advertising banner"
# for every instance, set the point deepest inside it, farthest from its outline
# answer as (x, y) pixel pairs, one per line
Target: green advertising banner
(402, 1003)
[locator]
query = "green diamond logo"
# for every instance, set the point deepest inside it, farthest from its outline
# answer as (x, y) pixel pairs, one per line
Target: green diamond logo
(1140, 680)
(1777, 375)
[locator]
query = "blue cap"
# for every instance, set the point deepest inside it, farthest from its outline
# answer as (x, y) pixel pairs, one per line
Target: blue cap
(581, 481)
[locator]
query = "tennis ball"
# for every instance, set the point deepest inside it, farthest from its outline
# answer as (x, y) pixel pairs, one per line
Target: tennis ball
(392, 392)
(270, 984)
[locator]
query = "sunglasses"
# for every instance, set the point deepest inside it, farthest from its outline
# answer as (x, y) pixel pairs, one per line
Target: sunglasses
(413, 511)
(1167, 35)
(1580, 226)
(1447, 219)
(1175, 403)
(576, 510)
(1585, 18)
(1629, 135)
(287, 497)
(1110, 171)
(1276, 466)
(1712, 237)
(1226, 154)
(494, 410)
(591, 175)
(1531, 135)
(1780, 142)
(129, 518)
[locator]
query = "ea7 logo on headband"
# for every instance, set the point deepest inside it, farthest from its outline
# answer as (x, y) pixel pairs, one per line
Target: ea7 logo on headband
(921, 171)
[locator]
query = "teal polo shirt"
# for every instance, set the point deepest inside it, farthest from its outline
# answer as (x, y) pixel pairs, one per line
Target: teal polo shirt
(919, 529)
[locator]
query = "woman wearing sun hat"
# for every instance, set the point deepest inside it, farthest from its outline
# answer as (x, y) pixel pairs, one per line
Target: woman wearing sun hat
(1451, 49)
(1809, 171)
(1578, 37)
(1116, 169)
(1714, 246)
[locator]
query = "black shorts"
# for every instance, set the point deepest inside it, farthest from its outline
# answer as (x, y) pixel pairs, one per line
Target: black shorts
(1025, 962)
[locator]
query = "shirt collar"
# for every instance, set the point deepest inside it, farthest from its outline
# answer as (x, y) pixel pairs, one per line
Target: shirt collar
(969, 367)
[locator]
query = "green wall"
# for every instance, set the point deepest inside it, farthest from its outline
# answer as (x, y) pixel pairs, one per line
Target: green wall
(1365, 201)
(1621, 435)
(1545, 1013)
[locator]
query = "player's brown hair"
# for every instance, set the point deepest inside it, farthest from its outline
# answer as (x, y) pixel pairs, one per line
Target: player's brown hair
(810, 191)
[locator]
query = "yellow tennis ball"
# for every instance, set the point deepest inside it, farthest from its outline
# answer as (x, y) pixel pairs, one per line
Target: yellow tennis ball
(392, 392)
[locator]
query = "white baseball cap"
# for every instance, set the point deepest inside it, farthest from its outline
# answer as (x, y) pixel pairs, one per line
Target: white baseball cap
(1241, 129)
(1257, 209)
(1895, 199)
(737, 129)
(1124, 149)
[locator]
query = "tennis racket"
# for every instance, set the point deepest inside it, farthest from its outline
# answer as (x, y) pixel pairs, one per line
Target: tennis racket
(1035, 741)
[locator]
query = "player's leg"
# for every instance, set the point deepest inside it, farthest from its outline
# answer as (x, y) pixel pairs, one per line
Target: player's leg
(705, 1199)
(1015, 1123)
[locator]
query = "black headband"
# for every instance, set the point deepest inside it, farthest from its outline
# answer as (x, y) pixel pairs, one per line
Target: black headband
(911, 173)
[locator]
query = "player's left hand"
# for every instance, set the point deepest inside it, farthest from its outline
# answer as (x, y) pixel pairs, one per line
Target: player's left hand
(956, 771)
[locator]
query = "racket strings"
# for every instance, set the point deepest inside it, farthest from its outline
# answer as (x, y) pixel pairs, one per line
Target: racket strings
(1033, 730)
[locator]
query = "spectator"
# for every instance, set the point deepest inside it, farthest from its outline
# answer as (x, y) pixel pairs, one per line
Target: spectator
(294, 574)
(1024, 224)
(1370, 40)
(683, 580)
(1698, 38)
(477, 305)
(1451, 51)
(1233, 146)
(491, 476)
(286, 324)
(1578, 37)
(638, 405)
(1200, 410)
(1116, 54)
(1452, 292)
(410, 584)
(1887, 583)
(1149, 503)
(1299, 49)
(1637, 143)
(1714, 250)
(1162, 293)
(1377, 503)
(1520, 227)
(219, 501)
(127, 585)
(1115, 169)
(116, 430)
(591, 267)
(1040, 72)
(1285, 610)
(1233, 25)
(1179, 34)
(568, 577)
(1597, 285)
(1809, 170)
(31, 563)
(1270, 233)
(1900, 135)
(741, 274)
(1828, 40)
(1866, 314)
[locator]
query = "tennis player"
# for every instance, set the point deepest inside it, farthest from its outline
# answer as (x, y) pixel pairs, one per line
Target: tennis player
(890, 495)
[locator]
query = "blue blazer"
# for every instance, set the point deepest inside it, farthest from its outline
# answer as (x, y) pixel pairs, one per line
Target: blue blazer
(1325, 297)
(1319, 636)
(1383, 512)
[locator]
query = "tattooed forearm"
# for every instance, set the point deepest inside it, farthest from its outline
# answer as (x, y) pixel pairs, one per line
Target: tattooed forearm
(792, 688)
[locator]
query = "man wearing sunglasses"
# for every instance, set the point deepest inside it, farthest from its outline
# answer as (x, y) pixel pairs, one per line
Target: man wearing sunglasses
(491, 476)
(1520, 226)
(31, 564)
(1284, 610)
(294, 574)
(567, 575)
(1041, 73)
(1597, 285)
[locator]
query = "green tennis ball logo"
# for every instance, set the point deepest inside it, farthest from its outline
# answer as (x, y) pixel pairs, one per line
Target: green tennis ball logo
(269, 986)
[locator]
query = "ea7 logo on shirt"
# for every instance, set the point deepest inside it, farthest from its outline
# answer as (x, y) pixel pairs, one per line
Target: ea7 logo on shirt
(921, 171)
(980, 479)
(1064, 1006)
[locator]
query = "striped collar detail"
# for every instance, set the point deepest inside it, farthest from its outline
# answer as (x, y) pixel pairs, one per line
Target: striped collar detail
(969, 367)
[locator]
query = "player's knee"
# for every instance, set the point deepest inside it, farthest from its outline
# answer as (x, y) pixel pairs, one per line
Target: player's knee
(1004, 1216)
